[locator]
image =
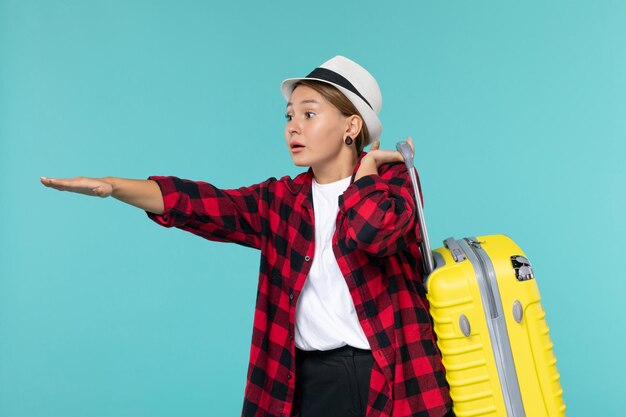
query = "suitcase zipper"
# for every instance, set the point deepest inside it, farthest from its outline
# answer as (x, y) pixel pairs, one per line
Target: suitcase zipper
(491, 298)
(498, 333)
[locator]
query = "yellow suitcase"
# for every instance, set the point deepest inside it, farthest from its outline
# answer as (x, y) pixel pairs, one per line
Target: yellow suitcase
(490, 326)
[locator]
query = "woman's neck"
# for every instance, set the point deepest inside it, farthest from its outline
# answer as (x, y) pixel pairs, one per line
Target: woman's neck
(325, 174)
(329, 176)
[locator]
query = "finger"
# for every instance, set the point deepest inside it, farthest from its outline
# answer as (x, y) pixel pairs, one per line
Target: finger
(46, 180)
(99, 191)
(410, 142)
(56, 183)
(64, 184)
(50, 182)
(375, 145)
(385, 156)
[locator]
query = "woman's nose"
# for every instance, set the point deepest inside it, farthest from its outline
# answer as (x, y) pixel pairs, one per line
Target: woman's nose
(292, 127)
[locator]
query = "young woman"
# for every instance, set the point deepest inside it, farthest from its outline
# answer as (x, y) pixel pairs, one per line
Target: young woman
(341, 326)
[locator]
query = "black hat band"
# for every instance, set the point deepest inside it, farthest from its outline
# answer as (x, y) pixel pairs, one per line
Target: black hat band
(333, 77)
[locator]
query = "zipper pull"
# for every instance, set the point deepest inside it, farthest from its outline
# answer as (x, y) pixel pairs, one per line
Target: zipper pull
(475, 243)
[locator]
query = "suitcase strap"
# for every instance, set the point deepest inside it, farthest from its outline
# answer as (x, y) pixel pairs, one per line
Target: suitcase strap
(455, 249)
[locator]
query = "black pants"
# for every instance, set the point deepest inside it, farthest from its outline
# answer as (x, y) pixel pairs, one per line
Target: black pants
(333, 383)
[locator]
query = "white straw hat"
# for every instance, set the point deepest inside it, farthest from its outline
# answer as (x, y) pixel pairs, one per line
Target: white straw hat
(355, 83)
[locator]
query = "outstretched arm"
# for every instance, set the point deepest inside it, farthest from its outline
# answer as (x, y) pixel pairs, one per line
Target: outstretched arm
(144, 194)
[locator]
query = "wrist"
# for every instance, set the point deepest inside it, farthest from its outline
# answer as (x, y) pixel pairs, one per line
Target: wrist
(368, 166)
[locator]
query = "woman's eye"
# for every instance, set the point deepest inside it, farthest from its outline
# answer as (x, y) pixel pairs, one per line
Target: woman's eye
(309, 114)
(288, 117)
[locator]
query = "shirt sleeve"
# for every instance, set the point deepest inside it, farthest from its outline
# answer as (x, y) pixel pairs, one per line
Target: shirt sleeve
(380, 212)
(212, 213)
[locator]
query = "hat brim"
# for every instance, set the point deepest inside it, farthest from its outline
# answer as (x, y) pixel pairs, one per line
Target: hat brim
(370, 117)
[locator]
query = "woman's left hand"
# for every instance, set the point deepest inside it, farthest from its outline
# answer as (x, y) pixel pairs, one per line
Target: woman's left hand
(377, 157)
(383, 156)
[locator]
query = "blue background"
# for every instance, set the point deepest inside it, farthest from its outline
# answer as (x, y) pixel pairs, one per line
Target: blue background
(517, 108)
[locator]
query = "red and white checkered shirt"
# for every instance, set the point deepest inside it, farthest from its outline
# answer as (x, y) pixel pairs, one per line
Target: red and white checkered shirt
(376, 246)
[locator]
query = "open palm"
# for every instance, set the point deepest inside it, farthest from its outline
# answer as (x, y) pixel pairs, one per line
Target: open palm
(81, 185)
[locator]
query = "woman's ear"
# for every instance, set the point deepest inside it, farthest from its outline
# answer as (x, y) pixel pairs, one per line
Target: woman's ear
(354, 124)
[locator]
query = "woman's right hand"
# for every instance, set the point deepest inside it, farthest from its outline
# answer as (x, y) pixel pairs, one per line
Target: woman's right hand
(144, 194)
(99, 187)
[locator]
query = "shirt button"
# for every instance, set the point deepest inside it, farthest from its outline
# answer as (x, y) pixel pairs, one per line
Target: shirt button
(291, 295)
(288, 376)
(307, 258)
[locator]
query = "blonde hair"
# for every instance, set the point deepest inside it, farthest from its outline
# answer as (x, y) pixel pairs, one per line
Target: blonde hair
(343, 104)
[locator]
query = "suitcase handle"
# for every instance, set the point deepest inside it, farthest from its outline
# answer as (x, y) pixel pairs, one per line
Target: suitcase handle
(427, 253)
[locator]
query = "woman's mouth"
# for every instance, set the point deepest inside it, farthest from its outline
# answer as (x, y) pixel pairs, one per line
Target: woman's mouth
(296, 147)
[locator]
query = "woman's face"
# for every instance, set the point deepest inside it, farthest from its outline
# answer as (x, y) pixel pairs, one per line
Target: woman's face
(315, 128)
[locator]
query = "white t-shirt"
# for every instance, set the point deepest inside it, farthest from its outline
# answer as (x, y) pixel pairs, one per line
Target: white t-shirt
(325, 314)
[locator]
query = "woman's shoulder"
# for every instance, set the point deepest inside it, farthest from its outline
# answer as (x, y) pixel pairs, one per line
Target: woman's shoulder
(296, 183)
(285, 185)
